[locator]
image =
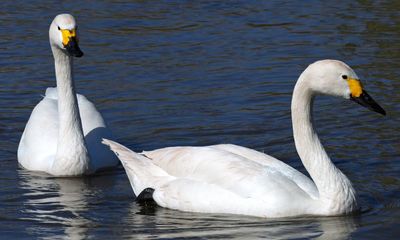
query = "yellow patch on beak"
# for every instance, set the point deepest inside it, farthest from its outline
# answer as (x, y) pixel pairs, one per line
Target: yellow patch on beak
(67, 35)
(355, 87)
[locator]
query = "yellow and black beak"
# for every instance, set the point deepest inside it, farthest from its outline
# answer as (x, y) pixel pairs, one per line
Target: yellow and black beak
(360, 96)
(70, 42)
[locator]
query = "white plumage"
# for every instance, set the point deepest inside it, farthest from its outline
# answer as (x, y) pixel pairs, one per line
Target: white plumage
(64, 132)
(233, 179)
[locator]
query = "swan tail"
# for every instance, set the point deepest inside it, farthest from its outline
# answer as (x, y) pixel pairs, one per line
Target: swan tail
(142, 172)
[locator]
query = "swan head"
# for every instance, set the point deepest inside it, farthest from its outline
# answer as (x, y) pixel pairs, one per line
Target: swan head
(63, 34)
(332, 77)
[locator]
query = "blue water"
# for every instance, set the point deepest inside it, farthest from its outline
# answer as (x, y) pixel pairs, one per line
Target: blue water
(167, 73)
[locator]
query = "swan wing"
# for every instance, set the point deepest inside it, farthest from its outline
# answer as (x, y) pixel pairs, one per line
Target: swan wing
(299, 178)
(178, 193)
(206, 179)
(38, 144)
(229, 170)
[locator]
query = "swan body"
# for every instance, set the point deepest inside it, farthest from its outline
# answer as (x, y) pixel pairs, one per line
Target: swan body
(63, 134)
(237, 180)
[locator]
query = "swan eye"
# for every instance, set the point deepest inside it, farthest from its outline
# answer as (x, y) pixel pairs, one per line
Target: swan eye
(344, 77)
(58, 27)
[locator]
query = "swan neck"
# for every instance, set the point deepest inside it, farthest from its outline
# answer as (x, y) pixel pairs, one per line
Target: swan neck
(335, 190)
(72, 156)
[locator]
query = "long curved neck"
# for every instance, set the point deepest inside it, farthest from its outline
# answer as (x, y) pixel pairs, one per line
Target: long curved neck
(335, 190)
(72, 157)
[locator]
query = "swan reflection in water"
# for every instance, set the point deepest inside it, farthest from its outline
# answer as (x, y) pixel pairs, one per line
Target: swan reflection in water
(162, 223)
(60, 206)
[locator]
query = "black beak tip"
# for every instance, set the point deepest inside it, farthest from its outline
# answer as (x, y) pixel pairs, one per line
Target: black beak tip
(73, 48)
(78, 53)
(382, 111)
(74, 51)
(366, 100)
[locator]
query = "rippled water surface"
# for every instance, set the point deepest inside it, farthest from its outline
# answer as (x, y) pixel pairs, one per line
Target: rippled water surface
(167, 73)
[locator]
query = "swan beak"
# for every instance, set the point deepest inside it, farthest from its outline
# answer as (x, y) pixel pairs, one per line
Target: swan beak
(364, 99)
(70, 42)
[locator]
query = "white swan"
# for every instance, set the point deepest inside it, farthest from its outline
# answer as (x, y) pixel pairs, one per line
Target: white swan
(238, 180)
(63, 134)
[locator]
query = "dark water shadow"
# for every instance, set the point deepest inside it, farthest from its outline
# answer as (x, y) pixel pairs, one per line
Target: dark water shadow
(98, 150)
